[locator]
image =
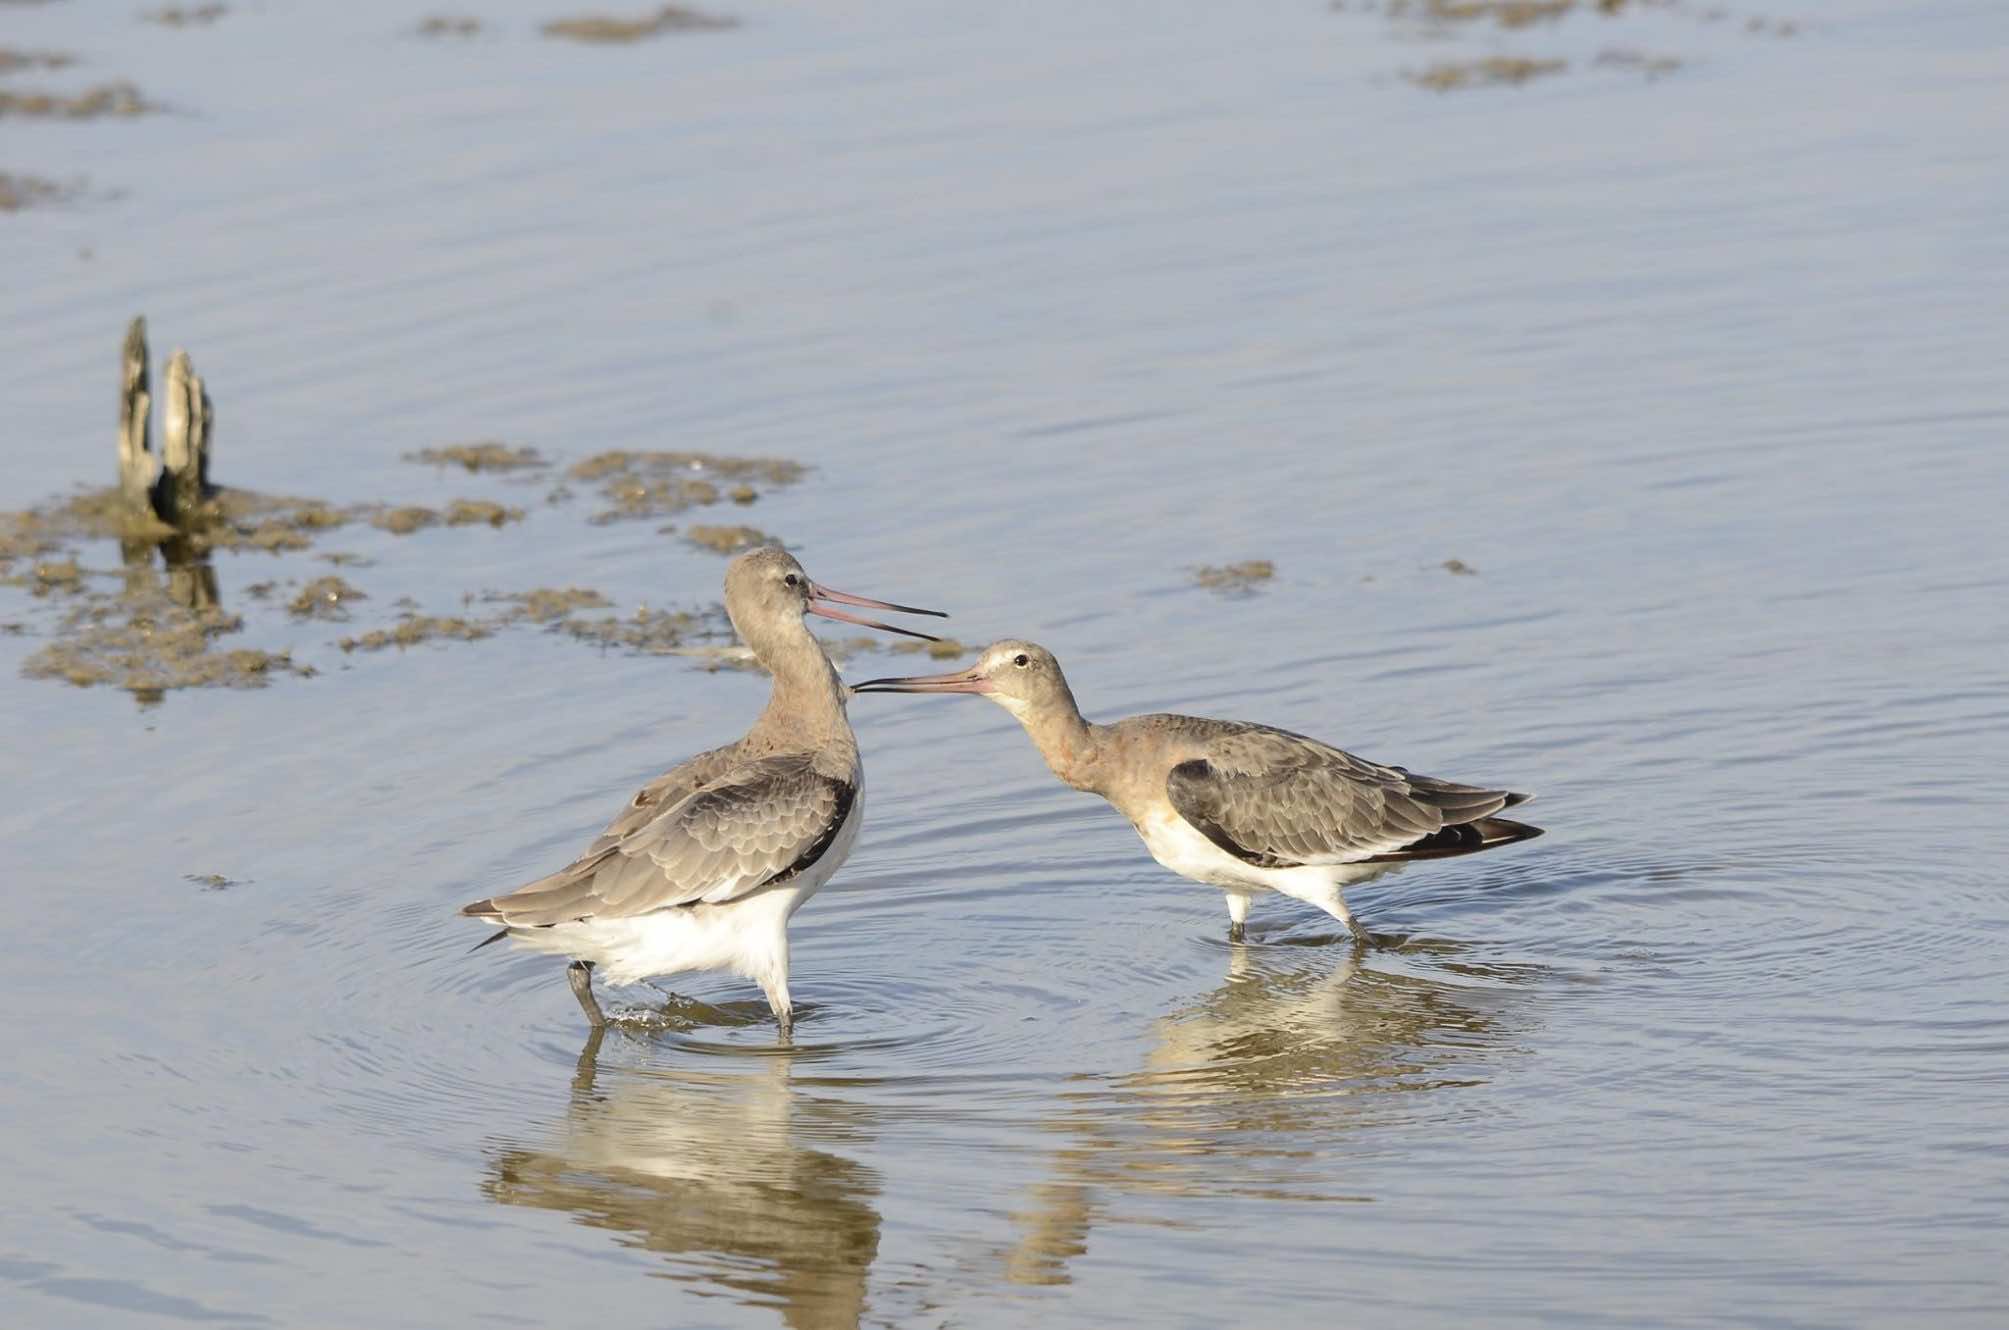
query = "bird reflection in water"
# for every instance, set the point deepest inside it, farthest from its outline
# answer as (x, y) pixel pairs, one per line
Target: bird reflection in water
(715, 1173)
(1247, 1091)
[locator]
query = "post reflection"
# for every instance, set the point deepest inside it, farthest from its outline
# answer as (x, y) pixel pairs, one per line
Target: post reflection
(716, 1173)
(1248, 1090)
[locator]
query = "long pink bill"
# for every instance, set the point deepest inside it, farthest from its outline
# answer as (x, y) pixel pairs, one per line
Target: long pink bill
(961, 681)
(819, 595)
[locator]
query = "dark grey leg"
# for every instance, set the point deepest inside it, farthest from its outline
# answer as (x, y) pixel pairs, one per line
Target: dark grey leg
(1237, 931)
(580, 975)
(786, 1019)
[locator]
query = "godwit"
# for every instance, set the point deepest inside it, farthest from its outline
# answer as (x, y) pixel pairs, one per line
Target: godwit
(704, 867)
(1239, 806)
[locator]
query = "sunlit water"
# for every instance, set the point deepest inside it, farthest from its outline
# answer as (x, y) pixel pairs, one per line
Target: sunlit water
(1702, 374)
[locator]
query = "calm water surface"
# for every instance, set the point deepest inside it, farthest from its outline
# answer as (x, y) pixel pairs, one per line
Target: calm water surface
(1702, 373)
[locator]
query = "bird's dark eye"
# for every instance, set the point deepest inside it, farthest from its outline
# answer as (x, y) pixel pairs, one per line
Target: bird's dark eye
(1020, 660)
(791, 580)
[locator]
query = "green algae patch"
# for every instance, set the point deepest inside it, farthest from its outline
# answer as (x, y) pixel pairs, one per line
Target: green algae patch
(1234, 578)
(480, 512)
(639, 485)
(608, 29)
(486, 455)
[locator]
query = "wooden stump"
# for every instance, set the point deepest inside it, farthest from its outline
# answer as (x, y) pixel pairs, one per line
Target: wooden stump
(170, 486)
(138, 468)
(185, 420)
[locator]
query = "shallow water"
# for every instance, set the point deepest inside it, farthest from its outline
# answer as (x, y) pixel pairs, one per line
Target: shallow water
(1700, 373)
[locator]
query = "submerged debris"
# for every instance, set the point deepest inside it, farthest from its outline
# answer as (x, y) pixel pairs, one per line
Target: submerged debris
(656, 484)
(1234, 577)
(324, 598)
(1459, 568)
(215, 881)
(487, 455)
(120, 99)
(603, 28)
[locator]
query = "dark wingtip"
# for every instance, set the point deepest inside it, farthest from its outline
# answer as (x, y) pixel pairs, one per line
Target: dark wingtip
(1514, 799)
(496, 936)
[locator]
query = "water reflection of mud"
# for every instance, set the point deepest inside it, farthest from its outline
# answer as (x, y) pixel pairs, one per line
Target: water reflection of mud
(1276, 1067)
(717, 1173)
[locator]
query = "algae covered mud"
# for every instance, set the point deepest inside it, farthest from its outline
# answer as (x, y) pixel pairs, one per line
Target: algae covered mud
(1628, 430)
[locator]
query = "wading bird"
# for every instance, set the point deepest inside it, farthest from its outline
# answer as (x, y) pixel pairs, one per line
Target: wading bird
(704, 867)
(1243, 807)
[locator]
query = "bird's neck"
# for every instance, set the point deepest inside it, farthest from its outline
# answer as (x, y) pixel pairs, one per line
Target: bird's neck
(806, 705)
(1072, 747)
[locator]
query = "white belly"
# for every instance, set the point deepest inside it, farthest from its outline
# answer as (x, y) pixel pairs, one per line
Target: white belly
(1177, 844)
(748, 936)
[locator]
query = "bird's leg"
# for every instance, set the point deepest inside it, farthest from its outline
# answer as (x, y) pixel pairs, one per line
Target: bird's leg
(580, 975)
(1336, 907)
(784, 1010)
(1238, 915)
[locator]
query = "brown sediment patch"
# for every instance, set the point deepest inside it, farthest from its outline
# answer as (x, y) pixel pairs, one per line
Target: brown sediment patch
(480, 512)
(1641, 62)
(413, 629)
(449, 25)
(728, 539)
(26, 191)
(646, 630)
(403, 521)
(742, 494)
(12, 61)
(144, 640)
(1459, 568)
(946, 649)
(657, 484)
(106, 99)
(215, 881)
(325, 598)
(194, 16)
(486, 455)
(608, 29)
(548, 604)
(1241, 577)
(1489, 71)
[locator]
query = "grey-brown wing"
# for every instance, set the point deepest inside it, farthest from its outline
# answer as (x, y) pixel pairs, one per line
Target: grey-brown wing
(759, 823)
(672, 787)
(1277, 799)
